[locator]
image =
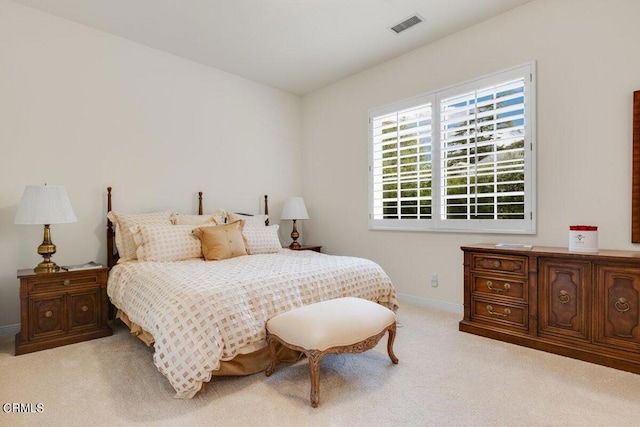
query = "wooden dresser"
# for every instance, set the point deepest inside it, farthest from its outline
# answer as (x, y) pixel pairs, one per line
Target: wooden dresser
(579, 305)
(61, 308)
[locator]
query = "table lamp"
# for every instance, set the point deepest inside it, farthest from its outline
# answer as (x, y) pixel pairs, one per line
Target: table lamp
(45, 204)
(294, 209)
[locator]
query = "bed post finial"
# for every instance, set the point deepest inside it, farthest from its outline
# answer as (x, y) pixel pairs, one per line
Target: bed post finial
(266, 209)
(200, 211)
(110, 258)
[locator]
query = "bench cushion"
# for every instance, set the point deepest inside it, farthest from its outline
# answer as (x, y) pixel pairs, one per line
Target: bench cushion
(331, 323)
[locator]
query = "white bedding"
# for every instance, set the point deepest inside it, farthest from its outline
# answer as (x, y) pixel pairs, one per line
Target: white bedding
(201, 312)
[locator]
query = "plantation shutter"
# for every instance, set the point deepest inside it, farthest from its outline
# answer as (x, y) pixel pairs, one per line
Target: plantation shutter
(458, 159)
(401, 163)
(482, 161)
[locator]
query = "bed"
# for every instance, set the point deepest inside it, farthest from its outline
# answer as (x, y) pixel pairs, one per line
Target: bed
(207, 317)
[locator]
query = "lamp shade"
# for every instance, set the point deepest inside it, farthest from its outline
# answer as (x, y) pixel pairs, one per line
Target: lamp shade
(294, 208)
(45, 204)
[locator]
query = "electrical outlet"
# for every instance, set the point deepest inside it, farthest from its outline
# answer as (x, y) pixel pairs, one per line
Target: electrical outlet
(434, 281)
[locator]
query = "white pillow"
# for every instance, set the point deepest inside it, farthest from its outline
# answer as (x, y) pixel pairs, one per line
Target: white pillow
(221, 216)
(180, 219)
(166, 242)
(249, 220)
(123, 222)
(262, 240)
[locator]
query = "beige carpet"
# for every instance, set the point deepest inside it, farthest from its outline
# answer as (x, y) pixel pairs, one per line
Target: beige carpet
(445, 378)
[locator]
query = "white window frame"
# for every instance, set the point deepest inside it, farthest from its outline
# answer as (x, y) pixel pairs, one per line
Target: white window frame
(438, 221)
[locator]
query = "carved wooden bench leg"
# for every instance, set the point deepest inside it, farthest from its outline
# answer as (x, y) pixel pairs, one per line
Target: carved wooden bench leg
(315, 357)
(392, 337)
(271, 345)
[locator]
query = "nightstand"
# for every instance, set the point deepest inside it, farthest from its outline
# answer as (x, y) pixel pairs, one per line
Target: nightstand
(61, 308)
(308, 248)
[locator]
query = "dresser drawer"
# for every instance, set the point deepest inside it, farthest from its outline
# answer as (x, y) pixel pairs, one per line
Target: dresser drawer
(493, 285)
(500, 263)
(512, 316)
(61, 282)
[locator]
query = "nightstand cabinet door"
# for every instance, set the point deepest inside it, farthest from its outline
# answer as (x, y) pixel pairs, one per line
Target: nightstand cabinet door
(46, 317)
(61, 308)
(83, 310)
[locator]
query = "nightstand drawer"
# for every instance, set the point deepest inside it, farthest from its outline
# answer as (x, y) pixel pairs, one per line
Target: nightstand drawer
(62, 281)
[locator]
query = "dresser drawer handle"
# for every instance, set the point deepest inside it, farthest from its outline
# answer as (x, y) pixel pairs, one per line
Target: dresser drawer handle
(67, 282)
(505, 312)
(564, 297)
(504, 288)
(48, 313)
(622, 306)
(496, 264)
(84, 308)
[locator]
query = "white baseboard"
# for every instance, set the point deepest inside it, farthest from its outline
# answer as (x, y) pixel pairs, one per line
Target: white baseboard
(431, 303)
(8, 330)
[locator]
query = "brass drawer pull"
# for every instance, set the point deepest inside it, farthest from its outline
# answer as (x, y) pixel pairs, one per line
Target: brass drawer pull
(564, 297)
(504, 288)
(85, 308)
(622, 306)
(67, 282)
(505, 313)
(48, 313)
(496, 264)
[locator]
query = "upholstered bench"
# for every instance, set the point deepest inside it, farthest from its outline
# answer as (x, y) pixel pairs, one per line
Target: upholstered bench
(342, 325)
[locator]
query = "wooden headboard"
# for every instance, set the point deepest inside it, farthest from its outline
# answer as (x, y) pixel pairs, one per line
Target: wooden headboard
(112, 251)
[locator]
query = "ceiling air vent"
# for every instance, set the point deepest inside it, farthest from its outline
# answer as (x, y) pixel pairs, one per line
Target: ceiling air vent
(407, 23)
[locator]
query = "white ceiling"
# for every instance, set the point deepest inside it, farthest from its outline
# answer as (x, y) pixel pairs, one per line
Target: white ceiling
(295, 45)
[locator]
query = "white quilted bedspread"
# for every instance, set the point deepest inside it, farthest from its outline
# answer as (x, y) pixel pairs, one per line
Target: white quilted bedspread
(201, 312)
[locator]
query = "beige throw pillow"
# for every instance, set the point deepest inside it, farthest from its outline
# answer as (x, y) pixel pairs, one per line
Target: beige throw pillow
(222, 241)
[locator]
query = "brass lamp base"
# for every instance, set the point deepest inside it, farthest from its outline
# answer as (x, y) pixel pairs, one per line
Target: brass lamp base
(47, 267)
(46, 249)
(294, 236)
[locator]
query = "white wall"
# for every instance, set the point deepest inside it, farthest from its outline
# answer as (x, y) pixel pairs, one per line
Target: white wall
(86, 110)
(588, 67)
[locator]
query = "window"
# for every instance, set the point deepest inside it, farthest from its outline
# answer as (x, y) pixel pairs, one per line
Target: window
(458, 159)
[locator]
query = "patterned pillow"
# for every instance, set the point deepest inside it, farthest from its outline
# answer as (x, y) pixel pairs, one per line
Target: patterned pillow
(166, 242)
(249, 220)
(180, 219)
(222, 241)
(123, 222)
(262, 240)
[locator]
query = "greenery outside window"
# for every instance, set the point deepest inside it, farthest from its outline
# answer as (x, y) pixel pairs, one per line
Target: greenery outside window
(458, 159)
